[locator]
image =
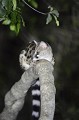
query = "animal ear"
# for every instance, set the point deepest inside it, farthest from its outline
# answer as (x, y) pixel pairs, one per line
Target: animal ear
(35, 42)
(43, 44)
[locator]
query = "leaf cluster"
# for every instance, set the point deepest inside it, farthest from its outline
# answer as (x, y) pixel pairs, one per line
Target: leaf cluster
(52, 13)
(10, 13)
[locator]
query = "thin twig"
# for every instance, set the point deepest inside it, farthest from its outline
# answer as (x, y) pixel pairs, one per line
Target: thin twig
(43, 13)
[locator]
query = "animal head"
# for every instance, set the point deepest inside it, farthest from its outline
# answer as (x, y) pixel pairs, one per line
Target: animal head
(35, 51)
(43, 51)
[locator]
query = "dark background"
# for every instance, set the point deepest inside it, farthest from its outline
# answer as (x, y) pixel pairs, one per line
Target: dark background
(64, 41)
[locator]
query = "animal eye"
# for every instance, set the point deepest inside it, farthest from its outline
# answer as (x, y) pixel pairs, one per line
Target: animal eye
(37, 55)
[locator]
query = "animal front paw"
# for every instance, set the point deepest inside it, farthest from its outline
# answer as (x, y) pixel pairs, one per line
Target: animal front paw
(23, 60)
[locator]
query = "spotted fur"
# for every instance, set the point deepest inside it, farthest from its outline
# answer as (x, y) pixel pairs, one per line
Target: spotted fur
(34, 52)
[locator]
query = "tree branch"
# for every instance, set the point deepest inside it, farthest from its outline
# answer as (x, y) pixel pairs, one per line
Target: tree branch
(34, 8)
(48, 90)
(14, 99)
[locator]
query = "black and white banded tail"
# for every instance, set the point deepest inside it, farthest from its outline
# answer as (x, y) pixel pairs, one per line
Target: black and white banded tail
(36, 100)
(34, 52)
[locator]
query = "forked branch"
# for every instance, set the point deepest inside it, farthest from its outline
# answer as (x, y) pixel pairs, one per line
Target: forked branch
(14, 99)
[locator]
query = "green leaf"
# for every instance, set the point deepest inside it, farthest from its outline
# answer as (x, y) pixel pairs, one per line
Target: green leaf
(4, 3)
(7, 4)
(55, 12)
(13, 27)
(2, 12)
(23, 22)
(49, 19)
(57, 22)
(51, 8)
(14, 4)
(6, 22)
(18, 26)
(14, 17)
(34, 4)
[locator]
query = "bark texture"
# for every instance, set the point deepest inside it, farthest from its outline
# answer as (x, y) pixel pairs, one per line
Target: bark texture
(14, 99)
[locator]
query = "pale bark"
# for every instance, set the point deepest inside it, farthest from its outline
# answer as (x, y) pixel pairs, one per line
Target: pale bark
(14, 99)
(45, 73)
